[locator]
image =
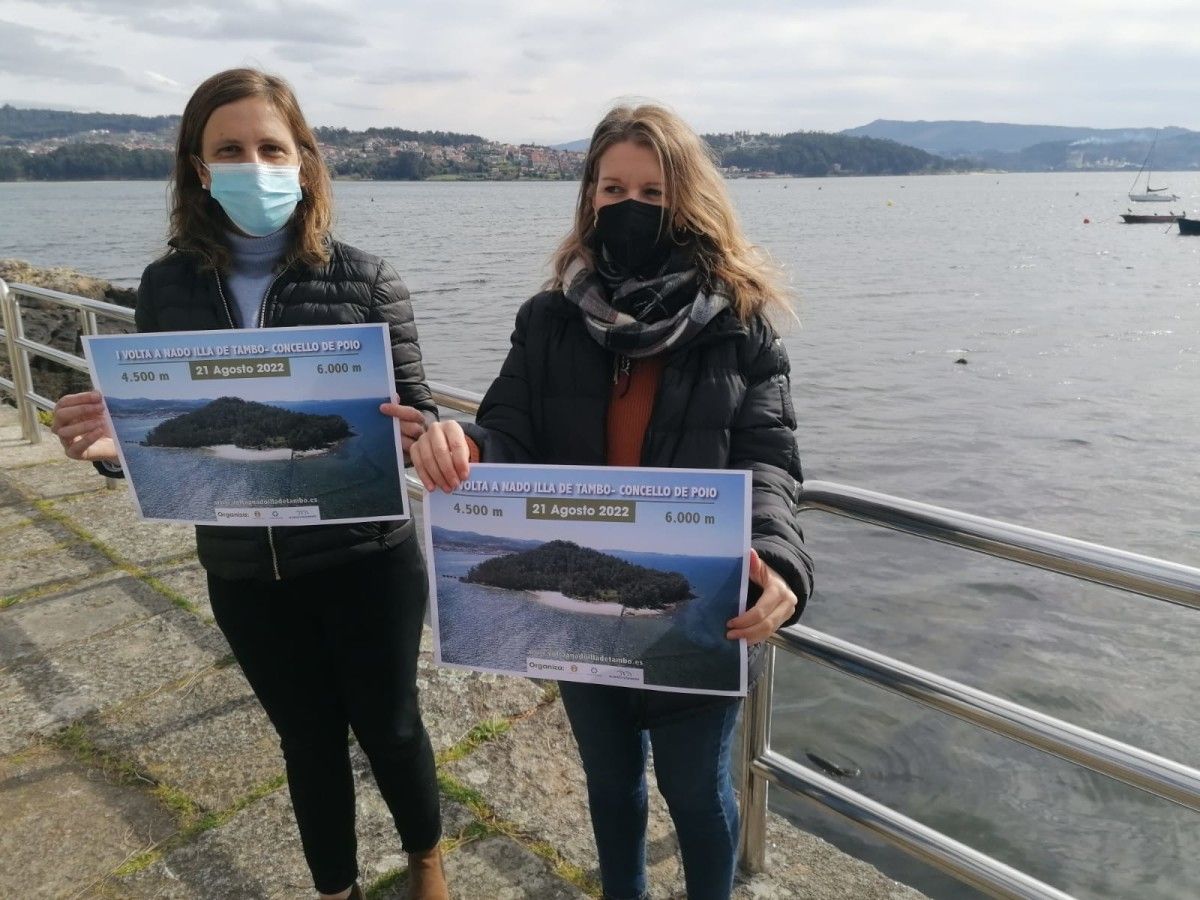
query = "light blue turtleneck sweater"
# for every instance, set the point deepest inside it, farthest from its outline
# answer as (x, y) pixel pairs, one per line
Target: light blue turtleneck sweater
(251, 271)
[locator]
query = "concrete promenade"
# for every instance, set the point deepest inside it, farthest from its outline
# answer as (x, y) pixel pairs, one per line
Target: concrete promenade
(135, 762)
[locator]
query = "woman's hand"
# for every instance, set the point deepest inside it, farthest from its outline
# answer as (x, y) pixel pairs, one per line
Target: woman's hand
(441, 457)
(774, 607)
(79, 424)
(412, 422)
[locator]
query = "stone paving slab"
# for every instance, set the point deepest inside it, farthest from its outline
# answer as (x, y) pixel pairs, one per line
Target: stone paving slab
(37, 536)
(803, 867)
(14, 515)
(454, 701)
(14, 451)
(187, 579)
(77, 613)
(64, 826)
(61, 478)
(537, 759)
(109, 516)
(28, 573)
(208, 738)
(257, 853)
(498, 868)
(45, 692)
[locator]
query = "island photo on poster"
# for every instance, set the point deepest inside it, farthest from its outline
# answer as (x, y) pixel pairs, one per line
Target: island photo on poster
(609, 575)
(254, 427)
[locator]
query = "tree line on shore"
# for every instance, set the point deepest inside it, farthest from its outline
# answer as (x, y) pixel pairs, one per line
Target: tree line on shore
(97, 151)
(805, 155)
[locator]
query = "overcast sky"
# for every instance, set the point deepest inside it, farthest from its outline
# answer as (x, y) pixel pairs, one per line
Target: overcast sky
(536, 70)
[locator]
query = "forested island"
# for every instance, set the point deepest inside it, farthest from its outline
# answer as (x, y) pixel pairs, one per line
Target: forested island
(814, 154)
(249, 426)
(583, 574)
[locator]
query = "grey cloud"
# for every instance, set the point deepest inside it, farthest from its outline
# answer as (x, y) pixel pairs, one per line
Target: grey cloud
(287, 21)
(304, 53)
(412, 75)
(30, 52)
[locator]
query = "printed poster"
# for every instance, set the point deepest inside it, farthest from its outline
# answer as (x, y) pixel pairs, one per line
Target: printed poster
(263, 426)
(617, 576)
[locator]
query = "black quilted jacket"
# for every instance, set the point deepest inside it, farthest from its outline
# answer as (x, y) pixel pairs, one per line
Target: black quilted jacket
(352, 288)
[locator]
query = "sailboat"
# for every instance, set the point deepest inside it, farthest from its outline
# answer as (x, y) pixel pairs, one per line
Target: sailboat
(1150, 194)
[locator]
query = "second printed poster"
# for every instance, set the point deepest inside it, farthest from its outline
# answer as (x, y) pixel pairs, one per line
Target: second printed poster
(620, 576)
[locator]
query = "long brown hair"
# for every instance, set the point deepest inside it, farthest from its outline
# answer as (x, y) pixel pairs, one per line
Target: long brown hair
(197, 223)
(697, 201)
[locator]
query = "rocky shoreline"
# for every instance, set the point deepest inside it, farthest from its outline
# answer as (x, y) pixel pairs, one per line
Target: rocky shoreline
(56, 326)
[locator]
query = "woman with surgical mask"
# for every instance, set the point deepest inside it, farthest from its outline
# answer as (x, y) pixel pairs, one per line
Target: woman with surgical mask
(324, 620)
(652, 345)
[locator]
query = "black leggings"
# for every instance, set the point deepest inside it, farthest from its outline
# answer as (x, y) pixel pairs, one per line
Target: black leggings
(336, 650)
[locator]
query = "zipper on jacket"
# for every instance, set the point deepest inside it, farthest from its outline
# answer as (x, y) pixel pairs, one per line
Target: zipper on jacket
(224, 302)
(274, 558)
(262, 310)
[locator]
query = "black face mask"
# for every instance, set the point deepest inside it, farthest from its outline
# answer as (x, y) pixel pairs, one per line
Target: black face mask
(637, 238)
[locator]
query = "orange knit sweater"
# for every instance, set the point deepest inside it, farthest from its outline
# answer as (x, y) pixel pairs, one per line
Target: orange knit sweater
(629, 411)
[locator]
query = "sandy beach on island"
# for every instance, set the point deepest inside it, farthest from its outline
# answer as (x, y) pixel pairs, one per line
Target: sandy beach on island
(560, 601)
(232, 451)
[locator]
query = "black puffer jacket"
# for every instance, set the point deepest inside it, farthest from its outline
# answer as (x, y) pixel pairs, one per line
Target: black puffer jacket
(724, 403)
(352, 288)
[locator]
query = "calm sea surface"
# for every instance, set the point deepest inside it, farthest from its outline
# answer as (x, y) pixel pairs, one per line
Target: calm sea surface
(1076, 412)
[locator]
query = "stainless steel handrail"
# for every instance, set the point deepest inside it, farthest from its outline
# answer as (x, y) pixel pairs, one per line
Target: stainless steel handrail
(962, 862)
(759, 764)
(1091, 562)
(20, 348)
(1123, 762)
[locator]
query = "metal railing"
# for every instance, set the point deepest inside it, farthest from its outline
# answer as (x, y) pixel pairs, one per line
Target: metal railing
(760, 765)
(20, 348)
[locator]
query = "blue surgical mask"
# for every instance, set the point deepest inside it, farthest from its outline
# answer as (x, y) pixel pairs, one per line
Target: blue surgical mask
(259, 199)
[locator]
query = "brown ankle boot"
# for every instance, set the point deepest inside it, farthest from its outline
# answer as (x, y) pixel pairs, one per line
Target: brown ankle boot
(427, 876)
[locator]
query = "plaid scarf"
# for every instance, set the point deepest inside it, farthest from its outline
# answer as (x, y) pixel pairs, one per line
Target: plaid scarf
(651, 326)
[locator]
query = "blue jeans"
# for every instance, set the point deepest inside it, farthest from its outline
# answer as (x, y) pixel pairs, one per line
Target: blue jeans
(691, 765)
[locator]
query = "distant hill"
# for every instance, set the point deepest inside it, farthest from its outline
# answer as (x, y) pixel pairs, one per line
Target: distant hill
(952, 138)
(474, 542)
(1177, 152)
(814, 153)
(817, 153)
(40, 124)
(579, 146)
(345, 137)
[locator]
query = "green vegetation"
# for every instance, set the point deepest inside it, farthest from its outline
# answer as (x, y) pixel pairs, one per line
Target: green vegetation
(85, 162)
(584, 574)
(250, 425)
(407, 165)
(39, 124)
(344, 137)
(816, 153)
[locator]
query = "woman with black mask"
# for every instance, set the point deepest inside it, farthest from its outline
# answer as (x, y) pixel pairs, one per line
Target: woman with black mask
(651, 346)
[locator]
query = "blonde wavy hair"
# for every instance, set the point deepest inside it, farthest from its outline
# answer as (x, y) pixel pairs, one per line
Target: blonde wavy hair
(697, 202)
(197, 223)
